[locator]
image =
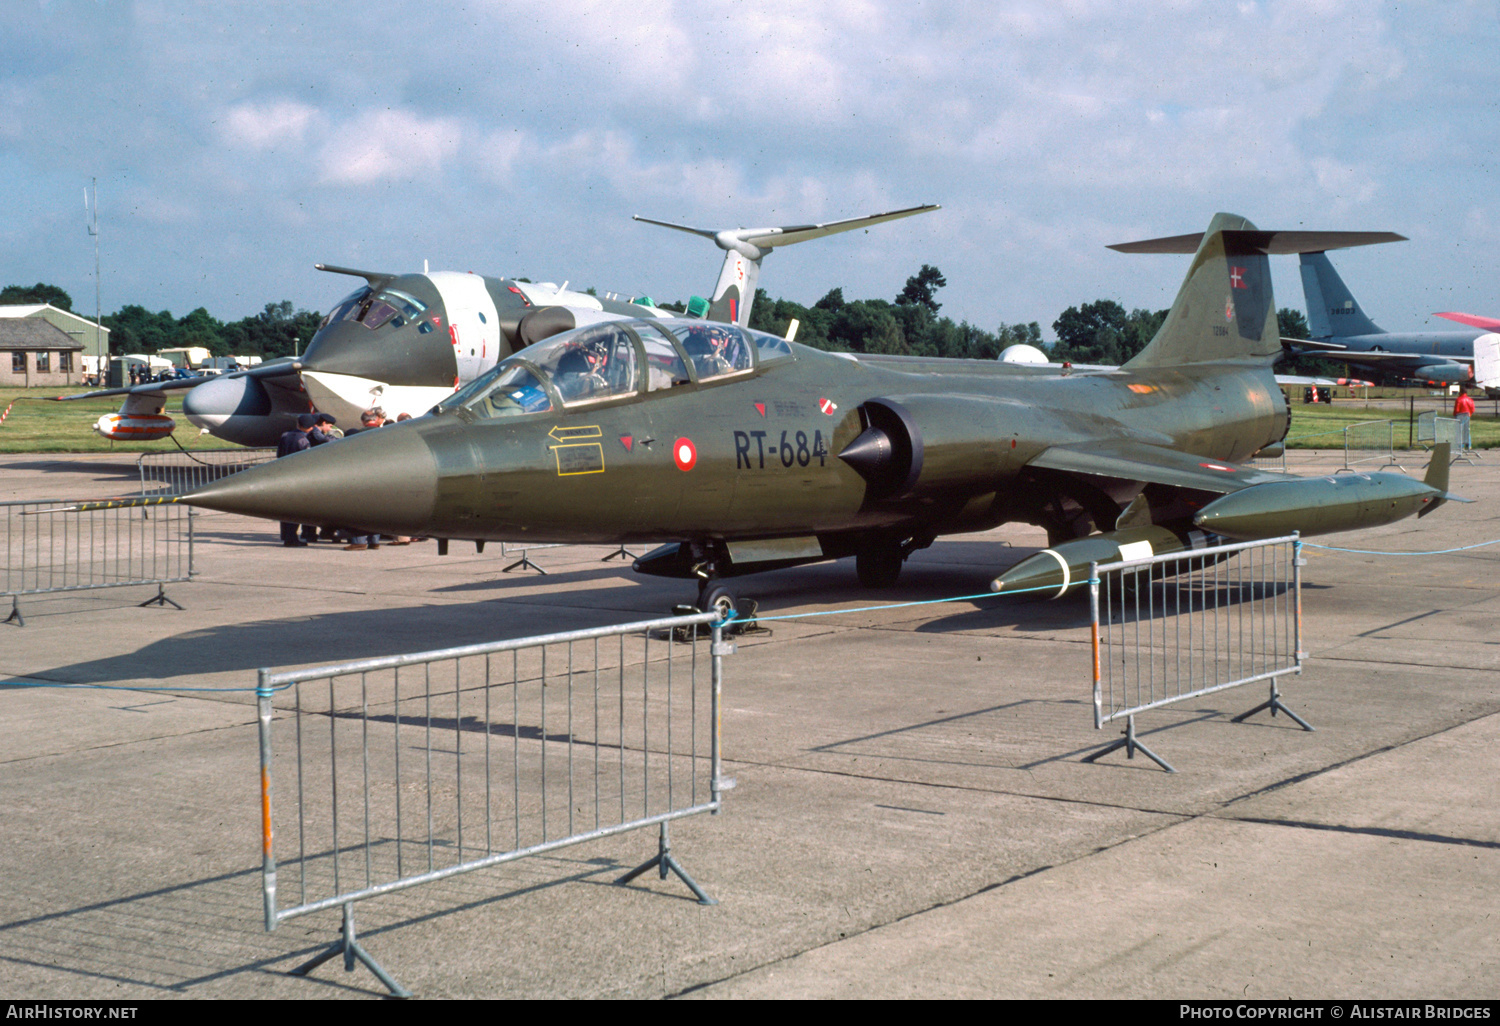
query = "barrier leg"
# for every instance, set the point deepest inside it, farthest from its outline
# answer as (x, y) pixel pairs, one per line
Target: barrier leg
(1276, 705)
(15, 612)
(1130, 744)
(524, 563)
(349, 947)
(663, 862)
(160, 599)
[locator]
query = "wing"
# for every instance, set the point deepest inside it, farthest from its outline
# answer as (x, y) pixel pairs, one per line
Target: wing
(1473, 320)
(1151, 464)
(270, 369)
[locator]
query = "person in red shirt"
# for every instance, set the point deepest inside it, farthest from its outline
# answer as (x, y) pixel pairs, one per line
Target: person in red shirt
(1463, 409)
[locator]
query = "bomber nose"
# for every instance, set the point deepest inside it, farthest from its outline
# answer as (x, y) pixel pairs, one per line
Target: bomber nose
(384, 479)
(411, 354)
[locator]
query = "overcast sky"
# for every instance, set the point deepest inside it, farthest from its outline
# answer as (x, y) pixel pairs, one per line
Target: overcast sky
(238, 143)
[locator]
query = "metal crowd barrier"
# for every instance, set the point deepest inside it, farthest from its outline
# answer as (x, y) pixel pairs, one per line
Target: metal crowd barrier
(1368, 436)
(410, 769)
(105, 548)
(1180, 626)
(508, 549)
(1433, 429)
(178, 472)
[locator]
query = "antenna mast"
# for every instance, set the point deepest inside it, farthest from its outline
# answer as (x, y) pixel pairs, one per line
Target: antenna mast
(91, 222)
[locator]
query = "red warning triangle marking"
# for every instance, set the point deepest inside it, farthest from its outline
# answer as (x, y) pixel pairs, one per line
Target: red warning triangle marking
(760, 408)
(627, 441)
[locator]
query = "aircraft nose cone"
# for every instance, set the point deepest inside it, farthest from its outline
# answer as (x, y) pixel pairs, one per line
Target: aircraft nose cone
(383, 480)
(404, 355)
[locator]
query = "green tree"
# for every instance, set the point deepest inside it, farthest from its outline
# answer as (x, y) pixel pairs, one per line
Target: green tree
(24, 295)
(921, 287)
(1092, 333)
(1291, 323)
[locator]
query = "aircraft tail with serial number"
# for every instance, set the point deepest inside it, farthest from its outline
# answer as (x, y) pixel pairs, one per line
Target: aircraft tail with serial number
(1225, 311)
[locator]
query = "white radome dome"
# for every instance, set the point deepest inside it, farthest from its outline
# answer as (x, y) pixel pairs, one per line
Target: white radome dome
(1023, 354)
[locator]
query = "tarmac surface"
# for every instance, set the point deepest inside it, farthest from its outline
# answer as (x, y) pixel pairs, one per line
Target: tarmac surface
(913, 817)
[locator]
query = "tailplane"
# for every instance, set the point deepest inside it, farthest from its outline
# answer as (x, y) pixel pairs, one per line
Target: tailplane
(1225, 311)
(745, 248)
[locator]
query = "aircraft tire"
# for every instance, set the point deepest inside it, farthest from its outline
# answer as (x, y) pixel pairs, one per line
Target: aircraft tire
(716, 596)
(879, 564)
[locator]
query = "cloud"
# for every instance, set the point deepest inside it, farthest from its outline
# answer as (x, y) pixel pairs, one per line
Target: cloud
(388, 145)
(269, 126)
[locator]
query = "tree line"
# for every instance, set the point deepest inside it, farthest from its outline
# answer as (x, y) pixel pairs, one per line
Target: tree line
(278, 330)
(1101, 332)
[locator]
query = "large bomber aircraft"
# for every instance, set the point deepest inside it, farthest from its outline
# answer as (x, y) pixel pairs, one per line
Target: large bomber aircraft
(1341, 331)
(404, 341)
(741, 452)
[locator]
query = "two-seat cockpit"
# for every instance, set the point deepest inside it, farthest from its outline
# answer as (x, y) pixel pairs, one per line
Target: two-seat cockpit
(613, 361)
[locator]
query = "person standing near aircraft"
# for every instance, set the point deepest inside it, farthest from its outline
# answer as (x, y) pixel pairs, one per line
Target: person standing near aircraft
(1463, 412)
(298, 439)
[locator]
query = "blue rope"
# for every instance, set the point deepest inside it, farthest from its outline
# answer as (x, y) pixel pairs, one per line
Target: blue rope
(122, 687)
(899, 605)
(1381, 552)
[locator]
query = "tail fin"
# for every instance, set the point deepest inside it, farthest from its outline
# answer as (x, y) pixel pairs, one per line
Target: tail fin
(1487, 361)
(1331, 308)
(745, 248)
(1225, 311)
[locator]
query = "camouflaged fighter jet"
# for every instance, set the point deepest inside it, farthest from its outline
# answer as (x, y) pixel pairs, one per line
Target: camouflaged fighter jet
(405, 341)
(741, 452)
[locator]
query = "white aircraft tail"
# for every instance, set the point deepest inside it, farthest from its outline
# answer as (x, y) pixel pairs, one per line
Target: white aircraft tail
(745, 248)
(1487, 361)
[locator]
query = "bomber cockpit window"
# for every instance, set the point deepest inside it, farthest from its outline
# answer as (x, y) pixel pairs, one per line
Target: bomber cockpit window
(511, 392)
(349, 304)
(715, 349)
(589, 364)
(391, 306)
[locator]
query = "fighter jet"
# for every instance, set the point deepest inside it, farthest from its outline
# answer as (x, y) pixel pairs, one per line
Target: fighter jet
(404, 341)
(1341, 331)
(741, 452)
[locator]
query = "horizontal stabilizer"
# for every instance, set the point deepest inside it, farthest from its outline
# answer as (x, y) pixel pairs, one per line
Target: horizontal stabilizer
(770, 238)
(1313, 345)
(1140, 461)
(1270, 243)
(1473, 320)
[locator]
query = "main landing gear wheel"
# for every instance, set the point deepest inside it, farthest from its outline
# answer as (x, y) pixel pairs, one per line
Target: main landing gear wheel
(713, 596)
(879, 564)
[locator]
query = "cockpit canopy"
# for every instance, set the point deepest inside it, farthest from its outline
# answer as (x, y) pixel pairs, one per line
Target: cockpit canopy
(375, 309)
(614, 360)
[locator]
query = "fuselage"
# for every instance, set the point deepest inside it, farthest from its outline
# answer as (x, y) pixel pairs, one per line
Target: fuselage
(754, 453)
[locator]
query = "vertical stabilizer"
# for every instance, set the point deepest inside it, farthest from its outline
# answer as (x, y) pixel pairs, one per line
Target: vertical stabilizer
(735, 290)
(1487, 361)
(1331, 310)
(1224, 312)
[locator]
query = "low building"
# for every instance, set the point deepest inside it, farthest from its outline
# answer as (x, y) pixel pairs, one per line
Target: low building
(80, 337)
(34, 353)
